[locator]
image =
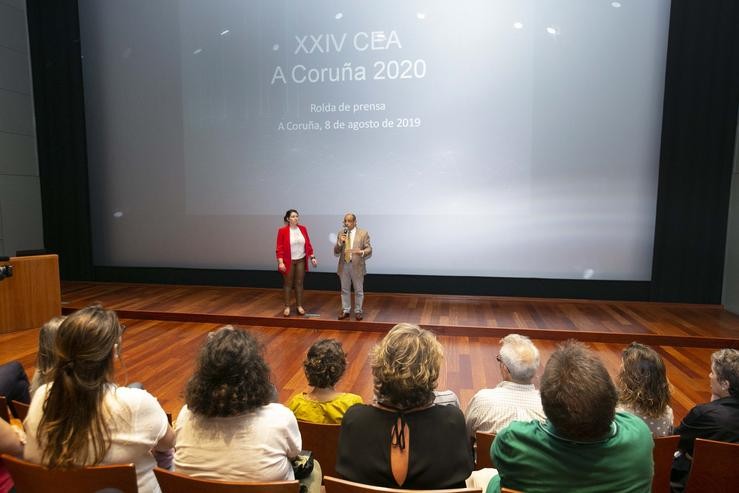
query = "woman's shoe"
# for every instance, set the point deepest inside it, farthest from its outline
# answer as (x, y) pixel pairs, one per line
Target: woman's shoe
(301, 311)
(286, 312)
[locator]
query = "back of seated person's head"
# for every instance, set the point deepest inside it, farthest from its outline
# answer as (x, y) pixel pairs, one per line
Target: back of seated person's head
(577, 393)
(46, 356)
(231, 377)
(73, 429)
(405, 367)
(725, 367)
(642, 380)
(520, 357)
(325, 363)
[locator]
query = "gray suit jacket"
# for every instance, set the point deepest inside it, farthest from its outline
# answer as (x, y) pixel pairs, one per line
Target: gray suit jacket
(362, 241)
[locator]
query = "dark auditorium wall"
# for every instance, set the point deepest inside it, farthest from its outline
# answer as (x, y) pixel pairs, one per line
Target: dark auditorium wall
(53, 32)
(730, 298)
(698, 136)
(20, 189)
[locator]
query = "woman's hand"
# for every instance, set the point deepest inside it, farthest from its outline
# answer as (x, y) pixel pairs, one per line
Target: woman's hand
(281, 266)
(314, 261)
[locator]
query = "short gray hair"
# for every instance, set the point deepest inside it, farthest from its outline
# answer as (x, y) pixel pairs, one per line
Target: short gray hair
(520, 357)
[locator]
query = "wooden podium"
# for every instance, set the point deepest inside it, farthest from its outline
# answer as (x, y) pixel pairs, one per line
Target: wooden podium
(32, 295)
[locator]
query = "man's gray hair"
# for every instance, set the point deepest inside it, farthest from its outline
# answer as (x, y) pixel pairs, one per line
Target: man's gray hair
(520, 356)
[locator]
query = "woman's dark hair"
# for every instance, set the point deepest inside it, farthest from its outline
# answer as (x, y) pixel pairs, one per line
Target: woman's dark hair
(325, 364)
(73, 430)
(231, 377)
(287, 214)
(642, 381)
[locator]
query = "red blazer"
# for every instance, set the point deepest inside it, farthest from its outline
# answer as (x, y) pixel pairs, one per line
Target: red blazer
(283, 246)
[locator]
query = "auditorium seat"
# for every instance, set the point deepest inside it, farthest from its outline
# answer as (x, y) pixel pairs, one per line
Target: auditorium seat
(33, 478)
(336, 485)
(484, 441)
(4, 414)
(20, 409)
(174, 482)
(663, 454)
(715, 467)
(323, 441)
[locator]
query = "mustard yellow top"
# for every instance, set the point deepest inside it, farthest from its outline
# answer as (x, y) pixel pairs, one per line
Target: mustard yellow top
(325, 412)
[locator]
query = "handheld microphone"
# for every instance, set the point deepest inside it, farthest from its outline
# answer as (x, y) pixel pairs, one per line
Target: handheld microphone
(346, 234)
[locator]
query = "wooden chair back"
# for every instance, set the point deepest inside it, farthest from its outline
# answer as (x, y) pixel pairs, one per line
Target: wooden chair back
(508, 490)
(663, 454)
(20, 409)
(715, 467)
(4, 414)
(33, 478)
(323, 441)
(484, 442)
(174, 482)
(336, 485)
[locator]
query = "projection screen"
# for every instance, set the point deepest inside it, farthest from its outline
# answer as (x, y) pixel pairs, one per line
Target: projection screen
(515, 138)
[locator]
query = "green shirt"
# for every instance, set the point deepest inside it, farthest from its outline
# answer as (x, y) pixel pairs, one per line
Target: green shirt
(532, 458)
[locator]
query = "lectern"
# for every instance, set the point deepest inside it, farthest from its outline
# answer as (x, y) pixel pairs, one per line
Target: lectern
(32, 295)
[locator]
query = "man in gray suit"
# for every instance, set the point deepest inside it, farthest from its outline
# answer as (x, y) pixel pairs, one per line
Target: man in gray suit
(353, 248)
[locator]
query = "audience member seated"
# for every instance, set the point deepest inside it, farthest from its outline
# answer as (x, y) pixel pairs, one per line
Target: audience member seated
(45, 357)
(14, 382)
(403, 439)
(584, 445)
(513, 399)
(324, 366)
(11, 443)
(81, 417)
(643, 388)
(716, 420)
(228, 429)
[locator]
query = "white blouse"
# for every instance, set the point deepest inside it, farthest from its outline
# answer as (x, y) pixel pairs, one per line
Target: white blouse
(297, 244)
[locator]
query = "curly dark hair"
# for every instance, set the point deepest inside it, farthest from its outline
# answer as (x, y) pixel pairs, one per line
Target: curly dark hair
(231, 377)
(577, 393)
(642, 382)
(325, 363)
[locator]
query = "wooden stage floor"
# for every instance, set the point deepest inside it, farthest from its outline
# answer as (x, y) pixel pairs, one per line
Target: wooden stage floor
(479, 316)
(167, 325)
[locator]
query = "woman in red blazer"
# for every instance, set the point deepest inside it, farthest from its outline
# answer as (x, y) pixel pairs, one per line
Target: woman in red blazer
(293, 251)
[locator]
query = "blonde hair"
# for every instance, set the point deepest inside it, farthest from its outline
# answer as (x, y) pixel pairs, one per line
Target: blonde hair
(405, 366)
(73, 430)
